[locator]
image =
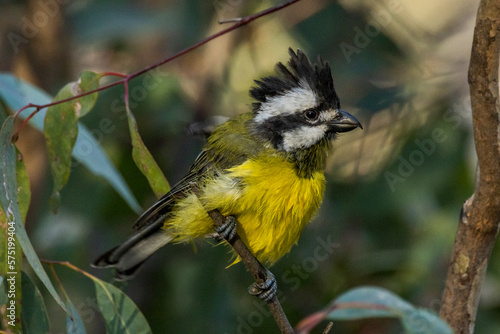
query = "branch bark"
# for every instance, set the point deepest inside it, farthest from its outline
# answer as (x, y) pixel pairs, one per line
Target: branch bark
(480, 217)
(253, 265)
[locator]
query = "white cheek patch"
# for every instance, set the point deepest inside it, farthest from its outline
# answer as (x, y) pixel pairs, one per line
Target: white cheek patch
(303, 137)
(296, 99)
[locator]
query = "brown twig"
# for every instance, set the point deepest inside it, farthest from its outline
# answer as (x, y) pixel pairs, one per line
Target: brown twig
(257, 270)
(479, 221)
(328, 328)
(126, 78)
(69, 265)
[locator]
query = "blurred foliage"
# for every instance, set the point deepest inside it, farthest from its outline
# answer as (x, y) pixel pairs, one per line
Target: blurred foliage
(406, 83)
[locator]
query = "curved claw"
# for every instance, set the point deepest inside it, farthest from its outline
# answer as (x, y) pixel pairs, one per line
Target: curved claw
(226, 231)
(265, 290)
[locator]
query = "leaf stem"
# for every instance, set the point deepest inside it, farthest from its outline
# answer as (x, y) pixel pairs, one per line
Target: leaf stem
(71, 266)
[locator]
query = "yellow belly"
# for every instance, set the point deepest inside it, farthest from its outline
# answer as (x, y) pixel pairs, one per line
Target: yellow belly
(271, 203)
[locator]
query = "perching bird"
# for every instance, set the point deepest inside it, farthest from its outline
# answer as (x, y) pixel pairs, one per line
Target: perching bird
(264, 167)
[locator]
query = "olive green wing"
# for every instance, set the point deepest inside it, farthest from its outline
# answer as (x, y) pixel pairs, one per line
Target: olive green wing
(178, 191)
(229, 145)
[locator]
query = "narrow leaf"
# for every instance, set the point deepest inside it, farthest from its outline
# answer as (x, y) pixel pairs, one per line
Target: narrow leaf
(34, 317)
(74, 324)
(11, 253)
(368, 302)
(9, 201)
(3, 291)
(145, 161)
(88, 81)
(374, 302)
(3, 225)
(61, 129)
(17, 94)
(120, 313)
(421, 321)
(23, 185)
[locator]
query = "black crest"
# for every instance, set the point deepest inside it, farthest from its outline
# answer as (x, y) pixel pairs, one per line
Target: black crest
(300, 72)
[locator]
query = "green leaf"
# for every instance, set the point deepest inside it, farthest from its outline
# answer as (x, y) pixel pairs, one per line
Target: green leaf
(3, 291)
(61, 129)
(3, 112)
(3, 223)
(145, 161)
(374, 302)
(34, 313)
(368, 302)
(9, 201)
(23, 186)
(419, 321)
(11, 253)
(75, 325)
(88, 81)
(17, 94)
(120, 313)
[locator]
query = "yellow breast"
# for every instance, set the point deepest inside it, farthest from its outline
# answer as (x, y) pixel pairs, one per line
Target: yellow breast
(274, 205)
(271, 203)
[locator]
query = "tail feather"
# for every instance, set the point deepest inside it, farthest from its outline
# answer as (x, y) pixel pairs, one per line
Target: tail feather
(129, 256)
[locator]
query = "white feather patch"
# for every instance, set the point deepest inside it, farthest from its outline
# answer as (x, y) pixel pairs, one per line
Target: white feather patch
(297, 99)
(328, 115)
(303, 137)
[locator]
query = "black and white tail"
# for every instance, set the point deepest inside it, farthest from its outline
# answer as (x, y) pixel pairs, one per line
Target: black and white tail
(128, 257)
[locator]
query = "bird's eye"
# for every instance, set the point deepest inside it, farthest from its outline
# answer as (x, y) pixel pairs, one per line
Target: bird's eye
(311, 114)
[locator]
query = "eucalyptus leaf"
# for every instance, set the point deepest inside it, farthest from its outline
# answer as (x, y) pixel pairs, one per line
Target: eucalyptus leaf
(34, 317)
(3, 291)
(17, 93)
(74, 324)
(145, 161)
(61, 128)
(374, 302)
(9, 201)
(120, 313)
(368, 302)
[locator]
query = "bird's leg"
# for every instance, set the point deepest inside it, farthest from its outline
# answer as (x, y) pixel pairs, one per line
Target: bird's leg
(226, 231)
(265, 290)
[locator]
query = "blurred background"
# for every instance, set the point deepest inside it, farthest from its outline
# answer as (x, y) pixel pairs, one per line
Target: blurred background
(394, 191)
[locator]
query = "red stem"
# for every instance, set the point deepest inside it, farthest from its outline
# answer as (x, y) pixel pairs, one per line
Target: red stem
(114, 74)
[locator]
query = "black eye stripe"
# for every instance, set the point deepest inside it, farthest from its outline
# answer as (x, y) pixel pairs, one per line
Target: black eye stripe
(274, 126)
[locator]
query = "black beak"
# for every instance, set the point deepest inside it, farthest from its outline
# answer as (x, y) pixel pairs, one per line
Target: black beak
(346, 122)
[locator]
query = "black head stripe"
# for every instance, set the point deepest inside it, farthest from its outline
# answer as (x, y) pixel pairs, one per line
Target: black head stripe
(273, 128)
(300, 71)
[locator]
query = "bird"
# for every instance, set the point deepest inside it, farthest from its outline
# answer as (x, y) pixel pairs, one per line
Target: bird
(264, 167)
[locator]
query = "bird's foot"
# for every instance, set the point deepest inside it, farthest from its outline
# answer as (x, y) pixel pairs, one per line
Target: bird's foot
(226, 231)
(265, 290)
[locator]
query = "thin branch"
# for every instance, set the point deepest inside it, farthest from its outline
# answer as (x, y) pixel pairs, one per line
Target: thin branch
(58, 281)
(480, 217)
(328, 328)
(71, 266)
(257, 270)
(126, 78)
(61, 287)
(234, 19)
